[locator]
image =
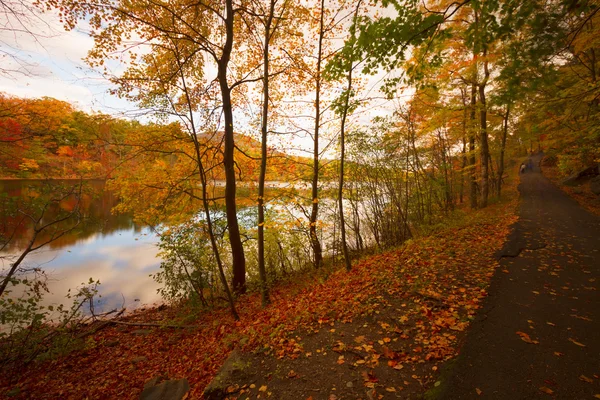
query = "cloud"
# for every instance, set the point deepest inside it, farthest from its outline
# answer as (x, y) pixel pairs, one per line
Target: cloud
(41, 59)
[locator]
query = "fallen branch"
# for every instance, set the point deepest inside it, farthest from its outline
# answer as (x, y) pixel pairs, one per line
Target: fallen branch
(102, 325)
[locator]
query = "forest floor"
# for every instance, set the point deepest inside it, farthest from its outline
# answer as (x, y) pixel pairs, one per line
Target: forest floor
(384, 330)
(391, 328)
(581, 193)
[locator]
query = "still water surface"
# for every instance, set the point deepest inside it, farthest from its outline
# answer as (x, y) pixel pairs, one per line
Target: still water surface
(108, 248)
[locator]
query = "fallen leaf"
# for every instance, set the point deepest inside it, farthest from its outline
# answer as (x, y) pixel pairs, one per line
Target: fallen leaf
(586, 379)
(263, 388)
(390, 389)
(525, 337)
(546, 390)
(576, 342)
(478, 391)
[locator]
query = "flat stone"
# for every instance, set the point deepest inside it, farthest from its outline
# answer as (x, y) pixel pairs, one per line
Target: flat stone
(167, 390)
(234, 368)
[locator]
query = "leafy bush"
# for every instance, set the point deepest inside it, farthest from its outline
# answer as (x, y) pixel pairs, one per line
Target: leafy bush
(31, 331)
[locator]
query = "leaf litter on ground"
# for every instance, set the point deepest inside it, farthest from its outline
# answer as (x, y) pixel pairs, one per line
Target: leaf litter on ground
(429, 289)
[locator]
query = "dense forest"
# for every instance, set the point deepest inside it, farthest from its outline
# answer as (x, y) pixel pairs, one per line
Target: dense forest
(381, 118)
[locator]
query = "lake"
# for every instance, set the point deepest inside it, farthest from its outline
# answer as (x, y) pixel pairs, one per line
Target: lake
(109, 248)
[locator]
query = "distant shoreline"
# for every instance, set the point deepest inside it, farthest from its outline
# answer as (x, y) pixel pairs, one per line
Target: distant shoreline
(51, 179)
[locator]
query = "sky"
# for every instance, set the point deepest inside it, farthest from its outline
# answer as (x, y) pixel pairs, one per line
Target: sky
(47, 61)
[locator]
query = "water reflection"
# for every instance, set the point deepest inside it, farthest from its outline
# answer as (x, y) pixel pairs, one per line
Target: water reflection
(106, 247)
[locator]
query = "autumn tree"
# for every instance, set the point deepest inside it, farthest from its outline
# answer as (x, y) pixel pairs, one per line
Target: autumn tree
(214, 35)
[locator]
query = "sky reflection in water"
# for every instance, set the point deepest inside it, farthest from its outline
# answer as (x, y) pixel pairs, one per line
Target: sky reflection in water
(106, 247)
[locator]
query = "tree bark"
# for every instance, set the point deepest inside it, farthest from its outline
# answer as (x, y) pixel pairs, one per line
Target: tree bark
(472, 160)
(347, 261)
(314, 238)
(237, 250)
(484, 147)
(264, 289)
(502, 150)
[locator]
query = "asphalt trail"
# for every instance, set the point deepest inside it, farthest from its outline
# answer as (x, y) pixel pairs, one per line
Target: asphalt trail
(546, 291)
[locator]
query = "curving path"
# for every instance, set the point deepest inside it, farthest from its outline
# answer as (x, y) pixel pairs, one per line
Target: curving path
(538, 334)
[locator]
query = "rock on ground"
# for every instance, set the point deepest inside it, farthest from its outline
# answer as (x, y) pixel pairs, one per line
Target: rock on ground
(167, 390)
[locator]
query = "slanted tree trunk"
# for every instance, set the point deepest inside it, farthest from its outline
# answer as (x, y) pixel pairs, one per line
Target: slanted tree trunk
(205, 203)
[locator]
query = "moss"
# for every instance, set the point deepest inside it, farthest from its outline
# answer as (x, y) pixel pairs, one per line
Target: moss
(435, 392)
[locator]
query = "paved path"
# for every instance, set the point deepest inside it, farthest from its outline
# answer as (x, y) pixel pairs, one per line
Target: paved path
(548, 289)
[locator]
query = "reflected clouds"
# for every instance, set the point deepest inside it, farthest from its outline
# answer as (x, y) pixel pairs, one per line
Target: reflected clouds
(121, 263)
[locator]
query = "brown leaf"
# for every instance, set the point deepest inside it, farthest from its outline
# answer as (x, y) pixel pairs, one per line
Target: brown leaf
(525, 337)
(586, 379)
(478, 391)
(576, 342)
(546, 390)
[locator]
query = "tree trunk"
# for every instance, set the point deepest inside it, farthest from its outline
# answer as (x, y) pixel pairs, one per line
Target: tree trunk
(484, 149)
(347, 261)
(237, 250)
(314, 238)
(205, 204)
(263, 161)
(502, 150)
(472, 160)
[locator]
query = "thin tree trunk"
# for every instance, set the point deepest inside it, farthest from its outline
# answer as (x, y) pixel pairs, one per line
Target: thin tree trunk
(472, 160)
(314, 238)
(263, 161)
(205, 204)
(464, 145)
(347, 261)
(502, 150)
(484, 149)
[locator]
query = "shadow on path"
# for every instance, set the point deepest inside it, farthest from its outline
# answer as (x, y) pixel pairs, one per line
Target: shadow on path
(538, 334)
